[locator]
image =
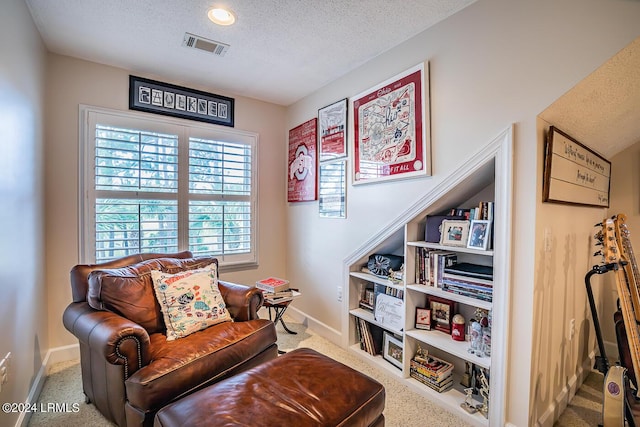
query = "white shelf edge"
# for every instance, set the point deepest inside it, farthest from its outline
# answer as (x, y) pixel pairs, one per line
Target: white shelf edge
(423, 244)
(445, 343)
(368, 316)
(375, 279)
(376, 360)
(450, 400)
(430, 290)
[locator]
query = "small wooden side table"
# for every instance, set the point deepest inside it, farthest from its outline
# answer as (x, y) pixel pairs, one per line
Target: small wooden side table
(279, 306)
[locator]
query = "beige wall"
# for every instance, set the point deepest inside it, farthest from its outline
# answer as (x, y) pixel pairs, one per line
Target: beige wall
(561, 361)
(23, 306)
(494, 63)
(71, 82)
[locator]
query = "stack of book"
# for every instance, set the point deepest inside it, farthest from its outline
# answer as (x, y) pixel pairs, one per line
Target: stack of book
(274, 288)
(370, 336)
(431, 264)
(483, 211)
(471, 280)
(433, 372)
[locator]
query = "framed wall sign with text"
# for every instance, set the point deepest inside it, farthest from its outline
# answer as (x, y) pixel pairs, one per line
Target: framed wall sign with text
(573, 173)
(170, 100)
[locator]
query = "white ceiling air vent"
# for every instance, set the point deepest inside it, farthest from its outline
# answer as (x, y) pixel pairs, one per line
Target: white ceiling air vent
(196, 42)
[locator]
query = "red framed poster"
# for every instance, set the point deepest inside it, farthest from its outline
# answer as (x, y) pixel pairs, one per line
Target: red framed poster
(302, 184)
(391, 128)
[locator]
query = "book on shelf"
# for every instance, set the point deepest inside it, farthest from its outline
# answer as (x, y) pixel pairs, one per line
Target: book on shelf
(471, 270)
(370, 336)
(431, 264)
(484, 211)
(435, 385)
(468, 286)
(432, 371)
(421, 272)
(441, 261)
(467, 291)
(273, 284)
(387, 290)
(437, 369)
(277, 296)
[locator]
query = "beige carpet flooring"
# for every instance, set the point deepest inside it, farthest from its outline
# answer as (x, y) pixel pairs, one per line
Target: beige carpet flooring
(404, 408)
(585, 409)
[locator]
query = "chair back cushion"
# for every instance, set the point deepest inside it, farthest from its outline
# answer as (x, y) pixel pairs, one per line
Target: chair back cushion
(80, 273)
(128, 291)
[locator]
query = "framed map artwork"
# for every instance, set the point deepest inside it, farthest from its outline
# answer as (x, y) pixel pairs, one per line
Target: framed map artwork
(302, 182)
(392, 128)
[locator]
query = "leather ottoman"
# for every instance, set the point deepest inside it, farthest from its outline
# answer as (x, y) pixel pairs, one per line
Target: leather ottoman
(299, 388)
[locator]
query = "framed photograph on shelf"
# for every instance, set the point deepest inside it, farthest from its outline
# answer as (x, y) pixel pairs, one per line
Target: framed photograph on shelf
(441, 313)
(454, 233)
(332, 124)
(302, 170)
(423, 318)
(391, 128)
(479, 234)
(392, 350)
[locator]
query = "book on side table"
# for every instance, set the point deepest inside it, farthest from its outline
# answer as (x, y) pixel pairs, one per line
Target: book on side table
(276, 290)
(273, 285)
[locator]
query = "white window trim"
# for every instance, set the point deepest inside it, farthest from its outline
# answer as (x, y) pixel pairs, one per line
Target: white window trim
(86, 208)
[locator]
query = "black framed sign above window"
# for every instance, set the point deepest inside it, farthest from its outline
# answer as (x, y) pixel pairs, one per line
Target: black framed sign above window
(170, 100)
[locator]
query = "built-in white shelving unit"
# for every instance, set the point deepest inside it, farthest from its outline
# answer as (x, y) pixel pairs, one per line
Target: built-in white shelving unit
(486, 176)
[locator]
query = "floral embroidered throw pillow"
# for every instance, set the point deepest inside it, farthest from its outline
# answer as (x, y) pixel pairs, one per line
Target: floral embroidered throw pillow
(190, 300)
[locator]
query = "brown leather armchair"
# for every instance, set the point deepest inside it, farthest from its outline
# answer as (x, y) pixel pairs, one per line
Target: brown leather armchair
(129, 369)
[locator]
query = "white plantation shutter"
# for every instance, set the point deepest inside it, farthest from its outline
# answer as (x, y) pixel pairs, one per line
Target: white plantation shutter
(220, 178)
(153, 185)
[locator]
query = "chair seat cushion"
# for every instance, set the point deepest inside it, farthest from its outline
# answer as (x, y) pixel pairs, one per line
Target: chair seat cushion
(181, 366)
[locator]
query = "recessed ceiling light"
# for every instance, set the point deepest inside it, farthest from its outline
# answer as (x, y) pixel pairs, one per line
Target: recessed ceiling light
(221, 16)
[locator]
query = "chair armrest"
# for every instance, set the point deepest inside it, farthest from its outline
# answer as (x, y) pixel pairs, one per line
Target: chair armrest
(119, 340)
(242, 301)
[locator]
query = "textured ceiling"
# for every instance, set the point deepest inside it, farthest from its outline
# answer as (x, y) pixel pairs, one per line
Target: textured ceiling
(603, 110)
(281, 50)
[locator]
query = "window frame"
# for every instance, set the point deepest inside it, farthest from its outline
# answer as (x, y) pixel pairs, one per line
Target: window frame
(89, 116)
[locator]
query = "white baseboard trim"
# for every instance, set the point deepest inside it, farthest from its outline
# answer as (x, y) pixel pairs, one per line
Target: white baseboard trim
(322, 329)
(560, 403)
(63, 354)
(314, 324)
(53, 356)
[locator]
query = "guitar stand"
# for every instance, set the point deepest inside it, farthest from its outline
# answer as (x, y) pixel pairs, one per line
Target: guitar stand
(602, 363)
